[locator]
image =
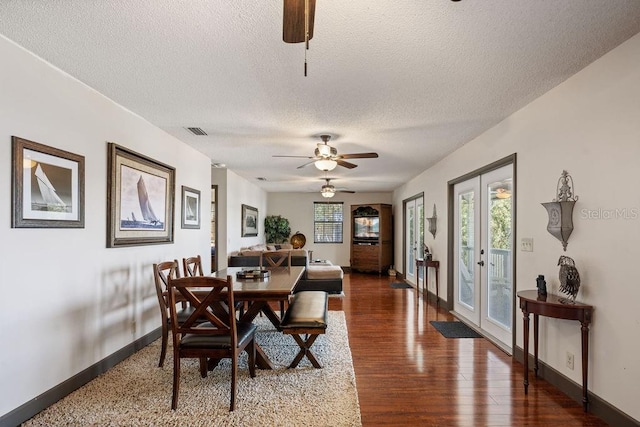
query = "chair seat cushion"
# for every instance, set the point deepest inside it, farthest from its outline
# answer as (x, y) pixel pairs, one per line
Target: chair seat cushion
(307, 309)
(184, 313)
(324, 272)
(244, 331)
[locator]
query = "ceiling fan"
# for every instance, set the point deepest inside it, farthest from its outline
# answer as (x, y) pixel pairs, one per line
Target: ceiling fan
(328, 190)
(326, 157)
(297, 23)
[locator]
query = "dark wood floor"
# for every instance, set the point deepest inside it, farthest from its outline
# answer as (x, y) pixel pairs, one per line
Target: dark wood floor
(409, 374)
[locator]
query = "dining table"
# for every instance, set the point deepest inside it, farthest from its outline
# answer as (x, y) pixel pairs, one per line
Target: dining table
(259, 293)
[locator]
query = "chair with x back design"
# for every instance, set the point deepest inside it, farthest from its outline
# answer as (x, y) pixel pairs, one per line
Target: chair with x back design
(162, 272)
(276, 259)
(192, 266)
(211, 331)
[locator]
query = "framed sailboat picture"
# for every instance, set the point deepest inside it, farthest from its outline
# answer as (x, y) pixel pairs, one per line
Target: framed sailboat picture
(190, 208)
(47, 186)
(140, 199)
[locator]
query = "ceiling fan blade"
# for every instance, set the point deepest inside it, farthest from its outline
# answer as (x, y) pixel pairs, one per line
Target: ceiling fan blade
(306, 164)
(346, 164)
(359, 156)
(293, 28)
(345, 191)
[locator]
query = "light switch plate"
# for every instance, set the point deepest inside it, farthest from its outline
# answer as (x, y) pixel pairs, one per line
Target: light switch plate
(526, 244)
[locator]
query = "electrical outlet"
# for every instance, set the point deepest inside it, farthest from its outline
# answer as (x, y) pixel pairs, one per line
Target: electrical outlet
(526, 244)
(570, 360)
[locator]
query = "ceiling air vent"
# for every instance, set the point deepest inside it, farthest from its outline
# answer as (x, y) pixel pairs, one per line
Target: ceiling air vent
(197, 131)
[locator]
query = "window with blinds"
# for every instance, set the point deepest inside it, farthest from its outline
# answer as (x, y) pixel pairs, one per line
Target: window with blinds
(327, 222)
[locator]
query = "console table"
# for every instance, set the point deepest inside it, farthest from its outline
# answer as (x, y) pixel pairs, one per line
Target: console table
(420, 262)
(551, 306)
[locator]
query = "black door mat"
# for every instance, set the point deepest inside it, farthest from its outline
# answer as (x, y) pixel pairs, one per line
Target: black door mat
(455, 330)
(400, 285)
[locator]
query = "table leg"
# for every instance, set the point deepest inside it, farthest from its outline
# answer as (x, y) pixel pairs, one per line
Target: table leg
(525, 318)
(536, 320)
(425, 281)
(437, 287)
(585, 364)
(255, 307)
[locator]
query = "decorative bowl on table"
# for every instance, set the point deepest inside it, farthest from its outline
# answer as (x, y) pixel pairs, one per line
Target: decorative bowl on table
(252, 274)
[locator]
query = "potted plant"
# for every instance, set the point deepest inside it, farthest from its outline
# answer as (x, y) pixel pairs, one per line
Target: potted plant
(276, 229)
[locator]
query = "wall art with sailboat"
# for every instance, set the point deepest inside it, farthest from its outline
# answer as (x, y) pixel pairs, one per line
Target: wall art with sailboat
(47, 186)
(190, 207)
(140, 198)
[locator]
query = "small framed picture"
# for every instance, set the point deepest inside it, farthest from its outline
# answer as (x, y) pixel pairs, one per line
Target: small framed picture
(249, 221)
(140, 199)
(190, 208)
(47, 186)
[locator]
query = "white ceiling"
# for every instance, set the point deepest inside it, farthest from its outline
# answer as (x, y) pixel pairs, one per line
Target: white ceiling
(409, 79)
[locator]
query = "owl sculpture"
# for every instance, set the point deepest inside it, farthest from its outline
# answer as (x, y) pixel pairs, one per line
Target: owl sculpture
(569, 278)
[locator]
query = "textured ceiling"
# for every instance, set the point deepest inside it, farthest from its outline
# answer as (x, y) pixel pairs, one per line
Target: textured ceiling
(412, 80)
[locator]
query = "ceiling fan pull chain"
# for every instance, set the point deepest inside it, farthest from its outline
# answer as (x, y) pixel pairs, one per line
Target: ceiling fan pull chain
(306, 34)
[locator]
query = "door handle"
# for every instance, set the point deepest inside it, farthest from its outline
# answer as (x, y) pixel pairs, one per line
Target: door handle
(481, 262)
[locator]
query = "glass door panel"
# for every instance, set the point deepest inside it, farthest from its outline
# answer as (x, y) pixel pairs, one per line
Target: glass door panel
(466, 235)
(497, 276)
(414, 237)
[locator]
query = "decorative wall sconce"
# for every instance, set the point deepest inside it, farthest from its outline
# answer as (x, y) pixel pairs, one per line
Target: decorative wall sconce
(432, 222)
(561, 210)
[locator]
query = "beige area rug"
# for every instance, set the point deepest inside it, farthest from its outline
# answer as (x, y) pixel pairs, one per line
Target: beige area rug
(138, 393)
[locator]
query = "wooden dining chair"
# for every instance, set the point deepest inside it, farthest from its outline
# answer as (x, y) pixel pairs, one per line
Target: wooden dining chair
(211, 331)
(162, 272)
(276, 259)
(192, 266)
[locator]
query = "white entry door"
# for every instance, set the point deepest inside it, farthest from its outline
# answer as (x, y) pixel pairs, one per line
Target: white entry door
(483, 279)
(414, 236)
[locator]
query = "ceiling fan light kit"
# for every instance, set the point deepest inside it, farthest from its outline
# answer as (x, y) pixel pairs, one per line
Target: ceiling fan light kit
(327, 192)
(326, 164)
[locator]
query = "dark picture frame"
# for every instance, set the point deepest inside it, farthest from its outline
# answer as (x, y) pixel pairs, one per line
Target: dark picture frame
(140, 199)
(190, 208)
(249, 221)
(47, 186)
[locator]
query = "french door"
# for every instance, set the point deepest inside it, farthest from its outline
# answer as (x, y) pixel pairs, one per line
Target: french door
(483, 278)
(414, 237)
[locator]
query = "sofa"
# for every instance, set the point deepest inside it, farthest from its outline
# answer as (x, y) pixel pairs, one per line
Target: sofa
(317, 276)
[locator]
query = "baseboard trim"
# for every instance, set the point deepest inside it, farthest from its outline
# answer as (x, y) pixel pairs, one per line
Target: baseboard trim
(51, 396)
(597, 406)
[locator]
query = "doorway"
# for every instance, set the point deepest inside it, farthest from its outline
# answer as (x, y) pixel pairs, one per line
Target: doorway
(483, 256)
(214, 227)
(413, 237)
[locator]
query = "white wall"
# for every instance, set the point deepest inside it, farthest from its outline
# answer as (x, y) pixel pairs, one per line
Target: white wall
(69, 302)
(298, 209)
(589, 126)
(241, 191)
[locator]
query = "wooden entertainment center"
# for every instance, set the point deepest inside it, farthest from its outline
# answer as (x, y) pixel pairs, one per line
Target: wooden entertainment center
(371, 237)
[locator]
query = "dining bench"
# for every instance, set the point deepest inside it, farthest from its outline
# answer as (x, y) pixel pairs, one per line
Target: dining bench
(306, 314)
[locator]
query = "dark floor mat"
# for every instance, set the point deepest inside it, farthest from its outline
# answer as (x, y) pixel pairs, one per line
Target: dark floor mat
(455, 330)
